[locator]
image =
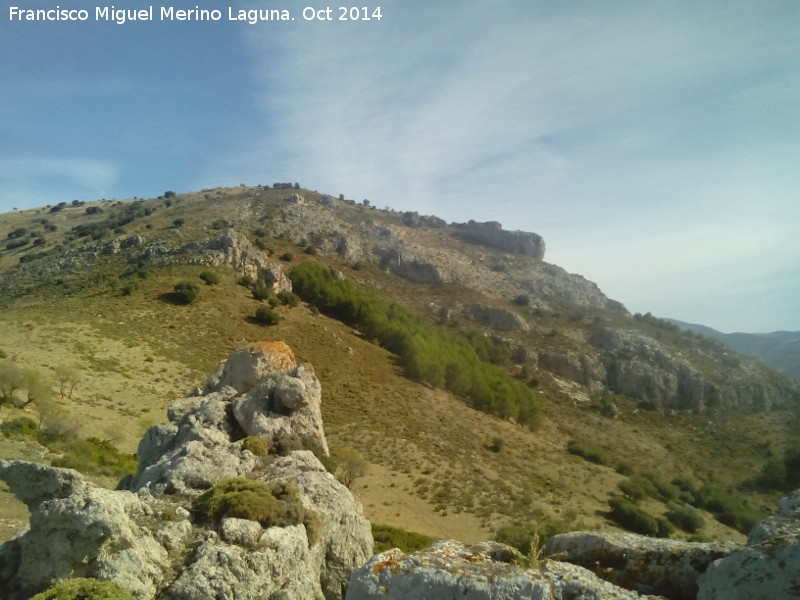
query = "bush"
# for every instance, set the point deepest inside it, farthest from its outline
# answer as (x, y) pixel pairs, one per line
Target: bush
(246, 281)
(84, 589)
(288, 298)
(587, 452)
(22, 427)
(91, 456)
(267, 316)
(241, 498)
(261, 291)
(497, 444)
(210, 277)
(256, 444)
(287, 257)
(632, 518)
(685, 517)
(387, 537)
(436, 356)
(237, 497)
(178, 222)
(186, 292)
(530, 537)
(637, 488)
(522, 300)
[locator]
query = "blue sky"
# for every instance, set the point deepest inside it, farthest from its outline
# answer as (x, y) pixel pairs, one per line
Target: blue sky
(654, 145)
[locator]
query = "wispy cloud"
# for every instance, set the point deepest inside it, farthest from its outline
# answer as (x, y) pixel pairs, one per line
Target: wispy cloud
(38, 177)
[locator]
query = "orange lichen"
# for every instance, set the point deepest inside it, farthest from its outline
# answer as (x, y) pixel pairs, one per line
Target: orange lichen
(393, 566)
(280, 355)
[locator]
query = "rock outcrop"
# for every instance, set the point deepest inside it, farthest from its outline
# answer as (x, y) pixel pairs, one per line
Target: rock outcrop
(493, 235)
(236, 251)
(142, 536)
(650, 566)
(645, 369)
(499, 319)
(452, 570)
(767, 567)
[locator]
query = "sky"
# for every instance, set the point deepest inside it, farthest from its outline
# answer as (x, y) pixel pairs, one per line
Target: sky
(655, 146)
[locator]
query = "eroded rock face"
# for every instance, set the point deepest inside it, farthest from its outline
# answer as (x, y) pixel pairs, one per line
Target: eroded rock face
(80, 530)
(768, 567)
(653, 566)
(236, 250)
(493, 235)
(142, 537)
(499, 319)
(452, 570)
(260, 390)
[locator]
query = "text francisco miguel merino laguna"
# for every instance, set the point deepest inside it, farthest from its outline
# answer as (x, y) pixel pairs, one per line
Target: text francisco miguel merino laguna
(161, 13)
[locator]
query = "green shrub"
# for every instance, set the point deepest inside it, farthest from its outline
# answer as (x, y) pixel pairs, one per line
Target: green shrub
(267, 316)
(637, 488)
(632, 518)
(310, 249)
(246, 281)
(84, 589)
(522, 300)
(727, 509)
(256, 444)
(387, 537)
(664, 491)
(288, 298)
(22, 427)
(186, 292)
(210, 277)
(497, 444)
(91, 456)
(241, 498)
(587, 452)
(237, 497)
(261, 291)
(685, 517)
(530, 537)
(287, 257)
(436, 356)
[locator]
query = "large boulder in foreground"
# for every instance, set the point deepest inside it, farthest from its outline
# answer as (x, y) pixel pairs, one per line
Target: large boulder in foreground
(144, 536)
(648, 565)
(767, 568)
(482, 572)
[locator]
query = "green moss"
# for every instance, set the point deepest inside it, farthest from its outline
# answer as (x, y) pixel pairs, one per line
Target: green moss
(256, 444)
(84, 589)
(387, 537)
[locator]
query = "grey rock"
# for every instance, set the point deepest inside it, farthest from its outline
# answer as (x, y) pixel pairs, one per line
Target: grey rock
(574, 366)
(493, 235)
(80, 530)
(647, 565)
(499, 319)
(768, 567)
(453, 570)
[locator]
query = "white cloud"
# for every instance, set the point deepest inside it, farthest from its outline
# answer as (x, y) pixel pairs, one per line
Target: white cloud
(35, 181)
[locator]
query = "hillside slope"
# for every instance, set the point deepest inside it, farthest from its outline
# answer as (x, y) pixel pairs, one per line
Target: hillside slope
(96, 293)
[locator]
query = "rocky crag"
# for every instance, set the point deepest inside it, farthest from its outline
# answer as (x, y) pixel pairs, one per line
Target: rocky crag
(146, 536)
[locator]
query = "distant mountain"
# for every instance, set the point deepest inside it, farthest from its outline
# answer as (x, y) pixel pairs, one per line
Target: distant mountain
(779, 349)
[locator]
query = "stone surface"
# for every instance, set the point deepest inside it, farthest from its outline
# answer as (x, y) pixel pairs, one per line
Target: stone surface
(453, 570)
(499, 319)
(80, 530)
(493, 235)
(142, 537)
(648, 565)
(767, 568)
